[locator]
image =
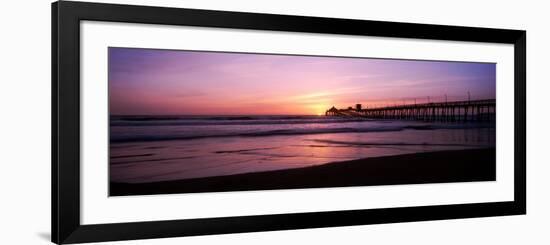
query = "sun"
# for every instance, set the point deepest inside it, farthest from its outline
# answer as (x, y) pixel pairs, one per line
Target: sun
(319, 109)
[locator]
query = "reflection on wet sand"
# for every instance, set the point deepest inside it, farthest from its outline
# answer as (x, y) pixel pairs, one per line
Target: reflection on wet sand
(153, 161)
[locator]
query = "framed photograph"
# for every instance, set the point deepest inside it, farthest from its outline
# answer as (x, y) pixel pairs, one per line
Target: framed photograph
(174, 122)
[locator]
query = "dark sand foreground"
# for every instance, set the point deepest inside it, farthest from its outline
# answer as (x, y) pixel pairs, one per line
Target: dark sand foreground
(432, 167)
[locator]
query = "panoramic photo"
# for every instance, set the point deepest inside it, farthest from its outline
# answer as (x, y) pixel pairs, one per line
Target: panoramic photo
(201, 121)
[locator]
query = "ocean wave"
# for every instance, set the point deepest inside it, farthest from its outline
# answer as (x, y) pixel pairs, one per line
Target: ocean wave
(173, 118)
(144, 122)
(360, 143)
(188, 135)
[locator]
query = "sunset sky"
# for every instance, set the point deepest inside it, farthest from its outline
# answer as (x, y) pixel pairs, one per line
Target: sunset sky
(169, 82)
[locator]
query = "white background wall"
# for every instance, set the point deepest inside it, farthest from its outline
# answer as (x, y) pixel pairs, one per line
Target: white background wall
(25, 122)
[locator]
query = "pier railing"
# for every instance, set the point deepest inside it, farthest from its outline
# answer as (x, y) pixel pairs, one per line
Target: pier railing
(455, 111)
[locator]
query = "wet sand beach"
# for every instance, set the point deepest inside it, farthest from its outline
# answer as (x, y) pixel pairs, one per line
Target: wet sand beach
(417, 168)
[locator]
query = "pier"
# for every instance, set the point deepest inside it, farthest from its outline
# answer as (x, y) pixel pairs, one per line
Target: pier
(455, 111)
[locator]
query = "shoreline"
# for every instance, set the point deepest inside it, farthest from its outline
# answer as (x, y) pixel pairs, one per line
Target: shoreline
(417, 168)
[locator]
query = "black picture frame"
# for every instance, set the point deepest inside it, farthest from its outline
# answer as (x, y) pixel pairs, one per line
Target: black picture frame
(66, 225)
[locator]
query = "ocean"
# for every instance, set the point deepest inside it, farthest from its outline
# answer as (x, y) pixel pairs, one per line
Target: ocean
(160, 148)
